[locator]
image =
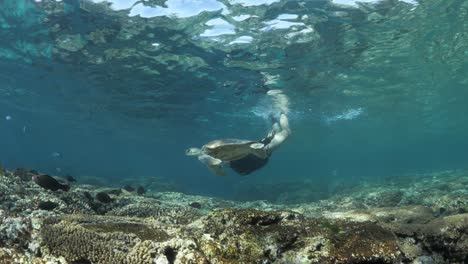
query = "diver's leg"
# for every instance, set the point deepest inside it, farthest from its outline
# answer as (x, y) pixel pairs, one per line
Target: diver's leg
(284, 123)
(280, 129)
(281, 101)
(280, 136)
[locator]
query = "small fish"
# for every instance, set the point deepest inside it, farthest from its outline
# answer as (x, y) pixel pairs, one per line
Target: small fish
(88, 196)
(8, 118)
(128, 188)
(70, 178)
(196, 205)
(49, 183)
(56, 154)
(47, 205)
(349, 114)
(335, 172)
(141, 190)
(103, 197)
(25, 129)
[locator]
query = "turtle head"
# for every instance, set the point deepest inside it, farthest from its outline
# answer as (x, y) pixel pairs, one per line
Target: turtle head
(192, 151)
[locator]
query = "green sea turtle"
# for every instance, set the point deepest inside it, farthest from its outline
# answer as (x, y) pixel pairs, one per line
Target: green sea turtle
(220, 151)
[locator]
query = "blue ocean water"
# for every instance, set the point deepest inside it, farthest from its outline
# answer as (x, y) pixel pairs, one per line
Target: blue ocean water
(117, 90)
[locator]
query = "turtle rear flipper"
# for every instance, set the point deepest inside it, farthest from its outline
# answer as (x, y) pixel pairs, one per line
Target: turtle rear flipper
(258, 150)
(213, 164)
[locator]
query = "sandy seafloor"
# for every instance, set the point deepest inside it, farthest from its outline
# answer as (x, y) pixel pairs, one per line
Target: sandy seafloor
(420, 218)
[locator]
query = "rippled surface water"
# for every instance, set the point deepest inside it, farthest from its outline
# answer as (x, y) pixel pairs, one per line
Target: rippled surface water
(118, 89)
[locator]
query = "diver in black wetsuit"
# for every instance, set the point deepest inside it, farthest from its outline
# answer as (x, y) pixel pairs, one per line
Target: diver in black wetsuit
(251, 163)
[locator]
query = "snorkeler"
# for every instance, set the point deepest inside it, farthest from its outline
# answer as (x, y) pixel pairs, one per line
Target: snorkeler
(251, 163)
(279, 133)
(245, 156)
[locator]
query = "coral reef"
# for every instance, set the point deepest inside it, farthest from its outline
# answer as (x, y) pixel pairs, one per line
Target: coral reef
(393, 223)
(103, 239)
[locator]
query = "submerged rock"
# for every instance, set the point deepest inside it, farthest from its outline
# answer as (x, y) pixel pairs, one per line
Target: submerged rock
(287, 237)
(449, 233)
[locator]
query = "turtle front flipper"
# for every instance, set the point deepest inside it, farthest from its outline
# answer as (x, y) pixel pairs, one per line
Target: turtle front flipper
(215, 165)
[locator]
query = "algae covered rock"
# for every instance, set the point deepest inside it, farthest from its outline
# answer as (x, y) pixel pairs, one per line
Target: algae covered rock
(254, 236)
(449, 233)
(447, 236)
